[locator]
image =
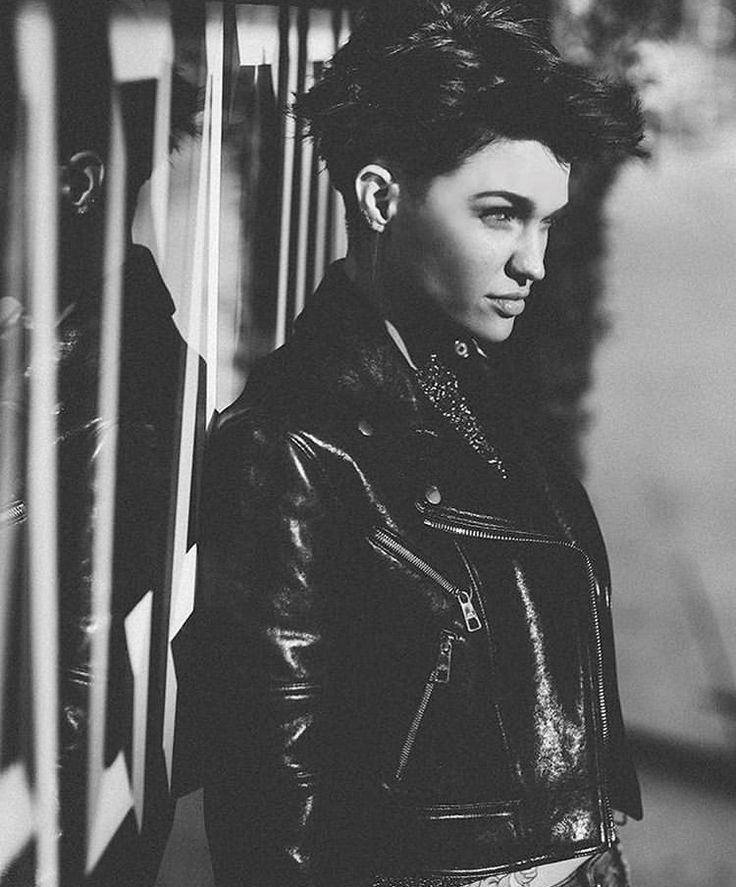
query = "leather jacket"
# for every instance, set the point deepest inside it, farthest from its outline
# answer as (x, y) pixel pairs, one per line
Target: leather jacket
(151, 362)
(403, 637)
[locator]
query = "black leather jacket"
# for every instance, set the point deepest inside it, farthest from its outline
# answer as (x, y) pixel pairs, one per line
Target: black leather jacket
(152, 355)
(403, 630)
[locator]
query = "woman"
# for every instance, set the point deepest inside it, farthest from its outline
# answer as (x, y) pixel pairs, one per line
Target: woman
(404, 621)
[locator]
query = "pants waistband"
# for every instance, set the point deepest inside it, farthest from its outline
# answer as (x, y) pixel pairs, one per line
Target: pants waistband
(607, 869)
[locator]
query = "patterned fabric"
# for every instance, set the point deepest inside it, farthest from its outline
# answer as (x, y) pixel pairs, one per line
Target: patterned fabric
(608, 869)
(441, 387)
(419, 881)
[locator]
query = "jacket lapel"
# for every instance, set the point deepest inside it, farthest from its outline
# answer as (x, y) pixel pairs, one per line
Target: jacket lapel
(441, 387)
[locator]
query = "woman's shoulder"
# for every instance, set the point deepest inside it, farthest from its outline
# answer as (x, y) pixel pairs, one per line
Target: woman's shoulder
(339, 364)
(282, 395)
(289, 411)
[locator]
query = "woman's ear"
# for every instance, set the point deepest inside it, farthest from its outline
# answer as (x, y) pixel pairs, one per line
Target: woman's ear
(81, 180)
(377, 193)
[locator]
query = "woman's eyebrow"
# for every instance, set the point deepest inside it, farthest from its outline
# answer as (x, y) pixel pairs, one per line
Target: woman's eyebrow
(523, 205)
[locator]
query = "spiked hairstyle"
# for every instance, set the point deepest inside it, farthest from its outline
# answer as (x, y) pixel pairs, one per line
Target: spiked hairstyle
(427, 83)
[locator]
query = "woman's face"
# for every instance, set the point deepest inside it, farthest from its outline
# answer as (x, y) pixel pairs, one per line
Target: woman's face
(473, 241)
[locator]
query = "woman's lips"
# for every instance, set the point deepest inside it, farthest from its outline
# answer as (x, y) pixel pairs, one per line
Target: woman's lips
(507, 306)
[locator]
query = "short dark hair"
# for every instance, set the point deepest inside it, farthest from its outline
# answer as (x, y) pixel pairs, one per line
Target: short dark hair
(138, 100)
(84, 77)
(427, 83)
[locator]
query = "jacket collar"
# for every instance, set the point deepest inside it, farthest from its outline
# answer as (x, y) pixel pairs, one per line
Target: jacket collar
(341, 369)
(355, 351)
(429, 334)
(354, 359)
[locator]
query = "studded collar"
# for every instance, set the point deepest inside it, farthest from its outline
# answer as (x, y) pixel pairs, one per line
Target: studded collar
(427, 332)
(439, 358)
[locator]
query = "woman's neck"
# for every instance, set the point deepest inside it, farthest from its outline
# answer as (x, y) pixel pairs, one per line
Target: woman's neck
(364, 267)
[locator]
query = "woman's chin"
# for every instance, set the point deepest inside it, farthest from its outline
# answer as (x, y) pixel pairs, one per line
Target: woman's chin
(495, 331)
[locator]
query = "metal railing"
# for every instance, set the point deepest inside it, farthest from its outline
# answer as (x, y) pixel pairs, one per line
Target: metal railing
(247, 60)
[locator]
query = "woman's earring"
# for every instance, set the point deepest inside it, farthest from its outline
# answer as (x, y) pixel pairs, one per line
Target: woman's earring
(81, 181)
(84, 205)
(372, 223)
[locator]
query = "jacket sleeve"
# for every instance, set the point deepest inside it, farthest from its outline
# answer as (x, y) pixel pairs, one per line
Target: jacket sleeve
(263, 611)
(582, 523)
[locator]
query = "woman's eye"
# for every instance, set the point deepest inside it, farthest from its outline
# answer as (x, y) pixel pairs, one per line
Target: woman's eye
(498, 216)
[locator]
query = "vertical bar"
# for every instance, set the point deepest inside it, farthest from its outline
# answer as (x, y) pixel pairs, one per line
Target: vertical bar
(306, 149)
(322, 197)
(258, 41)
(105, 468)
(338, 244)
(182, 586)
(302, 29)
(12, 508)
(215, 36)
(142, 48)
(289, 46)
(228, 313)
(36, 68)
(160, 175)
(303, 227)
(12, 369)
(16, 796)
(321, 44)
(138, 641)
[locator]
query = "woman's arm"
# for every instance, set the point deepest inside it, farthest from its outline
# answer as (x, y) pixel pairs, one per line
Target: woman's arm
(267, 536)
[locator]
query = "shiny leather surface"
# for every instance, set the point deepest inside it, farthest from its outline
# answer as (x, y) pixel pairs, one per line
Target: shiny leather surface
(343, 510)
(606, 869)
(151, 361)
(152, 355)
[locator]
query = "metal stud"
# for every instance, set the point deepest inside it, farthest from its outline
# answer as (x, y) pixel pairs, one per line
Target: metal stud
(433, 495)
(461, 348)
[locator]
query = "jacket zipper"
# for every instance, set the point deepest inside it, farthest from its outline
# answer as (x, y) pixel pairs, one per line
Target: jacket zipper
(440, 675)
(476, 526)
(14, 513)
(462, 596)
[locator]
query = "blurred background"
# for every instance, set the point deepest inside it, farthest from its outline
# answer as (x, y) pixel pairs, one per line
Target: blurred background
(159, 124)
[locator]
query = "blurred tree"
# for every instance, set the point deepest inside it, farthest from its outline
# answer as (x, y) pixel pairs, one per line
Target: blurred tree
(547, 363)
(597, 32)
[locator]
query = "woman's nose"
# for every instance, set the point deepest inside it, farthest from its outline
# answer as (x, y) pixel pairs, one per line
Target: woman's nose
(527, 261)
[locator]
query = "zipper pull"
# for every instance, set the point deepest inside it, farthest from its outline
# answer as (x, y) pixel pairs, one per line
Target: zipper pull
(472, 620)
(441, 673)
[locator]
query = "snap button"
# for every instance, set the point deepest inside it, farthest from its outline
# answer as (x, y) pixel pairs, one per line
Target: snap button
(433, 495)
(461, 348)
(365, 428)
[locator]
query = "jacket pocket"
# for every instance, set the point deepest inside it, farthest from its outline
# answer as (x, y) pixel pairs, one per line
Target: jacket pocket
(476, 840)
(481, 526)
(439, 676)
(386, 542)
